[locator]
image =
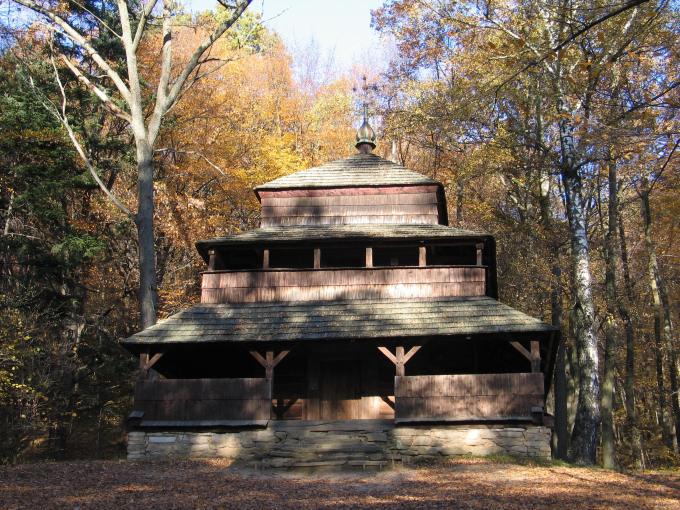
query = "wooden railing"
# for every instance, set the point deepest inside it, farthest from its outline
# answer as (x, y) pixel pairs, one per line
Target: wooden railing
(468, 397)
(331, 284)
(203, 402)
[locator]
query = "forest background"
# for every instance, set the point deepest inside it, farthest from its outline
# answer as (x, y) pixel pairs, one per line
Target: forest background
(553, 125)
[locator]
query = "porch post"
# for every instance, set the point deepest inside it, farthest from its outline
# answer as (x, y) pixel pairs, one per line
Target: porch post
(269, 361)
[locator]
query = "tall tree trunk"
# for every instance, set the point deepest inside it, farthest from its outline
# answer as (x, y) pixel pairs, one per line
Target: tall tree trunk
(460, 195)
(633, 431)
(145, 236)
(583, 446)
(663, 325)
(611, 343)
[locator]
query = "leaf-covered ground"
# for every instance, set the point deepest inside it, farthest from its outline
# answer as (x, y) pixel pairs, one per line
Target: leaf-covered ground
(475, 484)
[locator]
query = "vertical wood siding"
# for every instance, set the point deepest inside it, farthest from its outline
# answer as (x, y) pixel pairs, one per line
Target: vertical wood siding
(330, 284)
(467, 397)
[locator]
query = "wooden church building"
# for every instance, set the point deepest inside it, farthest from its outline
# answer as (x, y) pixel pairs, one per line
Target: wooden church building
(353, 327)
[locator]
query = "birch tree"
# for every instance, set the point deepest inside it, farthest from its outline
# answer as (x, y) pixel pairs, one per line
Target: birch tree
(124, 93)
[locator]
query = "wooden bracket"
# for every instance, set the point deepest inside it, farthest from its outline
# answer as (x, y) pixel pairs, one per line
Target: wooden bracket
(269, 361)
(534, 356)
(282, 407)
(400, 358)
(389, 401)
(146, 362)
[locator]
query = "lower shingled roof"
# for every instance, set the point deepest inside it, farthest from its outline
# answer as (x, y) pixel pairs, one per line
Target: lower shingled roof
(322, 320)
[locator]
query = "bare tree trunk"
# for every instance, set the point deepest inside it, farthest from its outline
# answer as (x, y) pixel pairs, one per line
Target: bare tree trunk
(663, 325)
(144, 219)
(631, 412)
(611, 342)
(583, 446)
(460, 194)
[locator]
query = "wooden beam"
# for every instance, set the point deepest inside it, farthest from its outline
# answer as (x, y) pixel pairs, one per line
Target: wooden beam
(265, 258)
(369, 256)
(412, 351)
(317, 258)
(212, 261)
(279, 357)
(258, 357)
(422, 256)
(388, 354)
(480, 248)
(520, 348)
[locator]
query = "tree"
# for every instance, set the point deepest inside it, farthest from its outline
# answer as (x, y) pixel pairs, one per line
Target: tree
(127, 96)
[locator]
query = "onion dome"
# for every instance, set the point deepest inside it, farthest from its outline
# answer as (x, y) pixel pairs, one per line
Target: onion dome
(365, 137)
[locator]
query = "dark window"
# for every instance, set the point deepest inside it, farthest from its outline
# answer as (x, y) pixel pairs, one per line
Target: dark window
(343, 256)
(395, 256)
(461, 255)
(238, 259)
(291, 258)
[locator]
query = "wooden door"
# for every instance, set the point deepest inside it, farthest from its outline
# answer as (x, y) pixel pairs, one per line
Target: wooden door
(339, 390)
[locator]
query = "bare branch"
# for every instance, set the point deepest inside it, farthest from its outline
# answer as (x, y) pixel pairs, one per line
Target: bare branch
(62, 117)
(81, 41)
(146, 12)
(103, 23)
(108, 102)
(207, 43)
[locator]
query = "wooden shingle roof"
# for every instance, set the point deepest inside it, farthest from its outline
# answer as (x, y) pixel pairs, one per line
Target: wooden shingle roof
(357, 170)
(323, 320)
(320, 233)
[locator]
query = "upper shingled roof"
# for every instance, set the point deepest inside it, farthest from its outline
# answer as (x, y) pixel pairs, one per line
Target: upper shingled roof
(355, 171)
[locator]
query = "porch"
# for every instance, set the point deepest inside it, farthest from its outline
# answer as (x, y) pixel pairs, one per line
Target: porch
(448, 381)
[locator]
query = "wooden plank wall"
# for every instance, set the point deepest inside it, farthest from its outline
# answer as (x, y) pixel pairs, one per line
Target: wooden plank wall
(467, 397)
(330, 284)
(203, 399)
(392, 208)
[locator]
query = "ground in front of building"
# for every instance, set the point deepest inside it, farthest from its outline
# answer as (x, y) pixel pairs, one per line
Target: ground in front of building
(464, 483)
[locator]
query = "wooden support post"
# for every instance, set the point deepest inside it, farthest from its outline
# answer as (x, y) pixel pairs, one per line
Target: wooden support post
(269, 361)
(265, 258)
(480, 248)
(400, 358)
(535, 356)
(422, 256)
(317, 258)
(143, 360)
(369, 256)
(212, 261)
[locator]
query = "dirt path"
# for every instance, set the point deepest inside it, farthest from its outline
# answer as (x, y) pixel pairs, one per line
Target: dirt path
(474, 484)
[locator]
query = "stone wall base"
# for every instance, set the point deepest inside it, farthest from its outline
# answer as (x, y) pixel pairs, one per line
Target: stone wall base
(363, 443)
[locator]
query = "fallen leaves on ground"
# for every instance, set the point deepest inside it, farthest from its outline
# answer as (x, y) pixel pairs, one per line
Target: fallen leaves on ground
(203, 484)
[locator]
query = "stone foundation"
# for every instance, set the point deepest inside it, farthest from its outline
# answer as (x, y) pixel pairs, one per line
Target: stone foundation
(363, 443)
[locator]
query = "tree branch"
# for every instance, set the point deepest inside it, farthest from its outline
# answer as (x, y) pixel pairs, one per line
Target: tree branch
(63, 119)
(80, 40)
(108, 102)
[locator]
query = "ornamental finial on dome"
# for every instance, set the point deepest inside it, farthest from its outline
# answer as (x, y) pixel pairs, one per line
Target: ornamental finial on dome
(365, 134)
